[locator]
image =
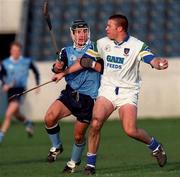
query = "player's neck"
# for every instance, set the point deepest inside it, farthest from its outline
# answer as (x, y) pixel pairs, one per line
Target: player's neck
(121, 37)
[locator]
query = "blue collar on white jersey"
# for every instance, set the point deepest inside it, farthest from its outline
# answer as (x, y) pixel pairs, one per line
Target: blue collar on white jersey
(120, 43)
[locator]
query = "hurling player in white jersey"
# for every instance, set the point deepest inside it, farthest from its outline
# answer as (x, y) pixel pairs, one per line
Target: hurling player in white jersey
(120, 86)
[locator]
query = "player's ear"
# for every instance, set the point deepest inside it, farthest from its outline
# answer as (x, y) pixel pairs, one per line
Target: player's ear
(120, 28)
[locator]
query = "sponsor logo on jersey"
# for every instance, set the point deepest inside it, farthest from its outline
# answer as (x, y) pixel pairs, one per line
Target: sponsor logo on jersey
(126, 51)
(114, 66)
(115, 59)
(114, 62)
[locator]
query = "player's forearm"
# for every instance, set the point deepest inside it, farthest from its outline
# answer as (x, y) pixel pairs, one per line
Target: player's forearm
(75, 67)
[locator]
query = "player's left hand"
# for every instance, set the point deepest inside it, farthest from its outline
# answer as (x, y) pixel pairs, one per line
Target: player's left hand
(163, 64)
(159, 63)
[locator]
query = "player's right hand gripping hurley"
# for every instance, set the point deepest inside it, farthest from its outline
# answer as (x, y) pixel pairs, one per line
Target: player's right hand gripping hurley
(58, 67)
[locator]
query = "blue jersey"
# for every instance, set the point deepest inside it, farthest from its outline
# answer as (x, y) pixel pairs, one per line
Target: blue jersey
(84, 81)
(15, 72)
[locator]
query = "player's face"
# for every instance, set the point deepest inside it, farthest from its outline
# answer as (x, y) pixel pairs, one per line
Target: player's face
(81, 36)
(112, 29)
(15, 52)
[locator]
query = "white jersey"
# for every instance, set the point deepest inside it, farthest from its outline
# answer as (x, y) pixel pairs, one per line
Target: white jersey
(121, 61)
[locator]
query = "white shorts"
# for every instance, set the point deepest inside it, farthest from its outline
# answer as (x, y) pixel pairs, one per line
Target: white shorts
(119, 96)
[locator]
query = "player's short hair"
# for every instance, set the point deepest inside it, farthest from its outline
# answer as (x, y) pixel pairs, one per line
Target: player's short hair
(15, 43)
(120, 20)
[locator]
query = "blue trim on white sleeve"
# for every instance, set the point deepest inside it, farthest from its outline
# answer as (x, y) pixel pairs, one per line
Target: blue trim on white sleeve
(147, 59)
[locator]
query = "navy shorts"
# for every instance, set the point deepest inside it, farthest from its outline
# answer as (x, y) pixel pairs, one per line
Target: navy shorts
(13, 91)
(80, 105)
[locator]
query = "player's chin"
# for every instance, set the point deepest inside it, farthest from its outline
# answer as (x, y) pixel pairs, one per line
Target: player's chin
(81, 43)
(110, 36)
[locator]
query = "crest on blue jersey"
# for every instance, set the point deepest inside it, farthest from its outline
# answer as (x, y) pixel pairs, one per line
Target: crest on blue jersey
(73, 58)
(126, 51)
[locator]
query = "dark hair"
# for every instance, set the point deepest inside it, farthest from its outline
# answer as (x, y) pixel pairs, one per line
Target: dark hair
(15, 43)
(120, 20)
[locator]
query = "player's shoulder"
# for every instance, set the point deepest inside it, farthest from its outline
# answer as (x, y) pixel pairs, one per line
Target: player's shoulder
(135, 43)
(67, 49)
(24, 59)
(135, 40)
(104, 39)
(6, 61)
(104, 42)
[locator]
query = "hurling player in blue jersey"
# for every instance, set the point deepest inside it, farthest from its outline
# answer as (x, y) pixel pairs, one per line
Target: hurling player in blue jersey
(120, 85)
(13, 76)
(78, 96)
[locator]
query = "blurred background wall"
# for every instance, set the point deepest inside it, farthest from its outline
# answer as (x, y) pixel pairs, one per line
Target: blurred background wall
(156, 22)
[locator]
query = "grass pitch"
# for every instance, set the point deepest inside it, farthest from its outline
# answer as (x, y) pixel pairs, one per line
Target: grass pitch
(118, 156)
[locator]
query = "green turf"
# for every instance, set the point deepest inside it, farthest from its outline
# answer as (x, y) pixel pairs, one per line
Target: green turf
(119, 156)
